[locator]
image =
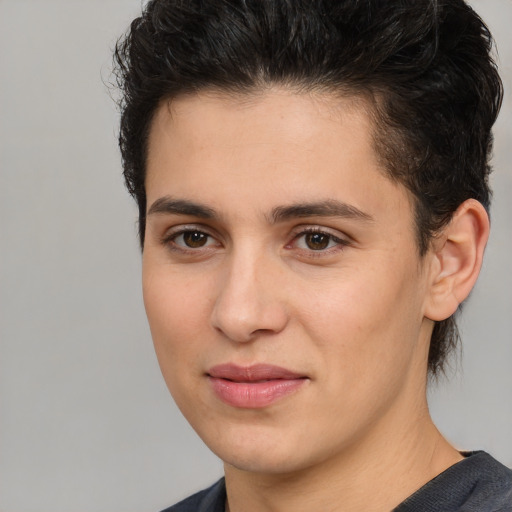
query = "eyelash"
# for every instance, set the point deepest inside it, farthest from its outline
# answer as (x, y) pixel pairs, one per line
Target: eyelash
(170, 241)
(340, 243)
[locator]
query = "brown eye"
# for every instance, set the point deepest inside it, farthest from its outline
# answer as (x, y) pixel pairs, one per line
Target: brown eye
(317, 241)
(191, 241)
(312, 240)
(194, 239)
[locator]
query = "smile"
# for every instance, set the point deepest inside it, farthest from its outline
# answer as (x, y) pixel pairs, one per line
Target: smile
(253, 387)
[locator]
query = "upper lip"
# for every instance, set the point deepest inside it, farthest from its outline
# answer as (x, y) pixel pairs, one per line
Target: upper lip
(253, 373)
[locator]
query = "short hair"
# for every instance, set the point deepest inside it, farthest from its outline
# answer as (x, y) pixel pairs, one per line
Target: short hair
(425, 68)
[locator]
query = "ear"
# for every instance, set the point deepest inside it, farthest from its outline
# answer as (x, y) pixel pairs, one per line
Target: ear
(457, 259)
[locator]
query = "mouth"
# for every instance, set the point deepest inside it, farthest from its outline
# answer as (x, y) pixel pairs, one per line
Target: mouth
(253, 387)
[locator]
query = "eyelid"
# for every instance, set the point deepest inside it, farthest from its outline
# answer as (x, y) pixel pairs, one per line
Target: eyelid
(341, 240)
(314, 228)
(180, 229)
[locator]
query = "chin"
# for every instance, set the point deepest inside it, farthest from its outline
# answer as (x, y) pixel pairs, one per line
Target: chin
(264, 463)
(259, 452)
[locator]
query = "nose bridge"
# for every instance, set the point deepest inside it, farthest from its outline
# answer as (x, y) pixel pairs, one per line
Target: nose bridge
(248, 301)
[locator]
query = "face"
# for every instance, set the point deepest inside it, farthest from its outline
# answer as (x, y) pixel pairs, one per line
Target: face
(281, 278)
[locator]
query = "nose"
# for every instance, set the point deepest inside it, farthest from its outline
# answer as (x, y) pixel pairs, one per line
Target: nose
(250, 300)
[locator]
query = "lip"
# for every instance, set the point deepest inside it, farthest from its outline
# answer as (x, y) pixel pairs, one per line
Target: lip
(253, 387)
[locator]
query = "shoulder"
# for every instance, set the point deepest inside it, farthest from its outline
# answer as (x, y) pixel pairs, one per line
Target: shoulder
(209, 500)
(479, 483)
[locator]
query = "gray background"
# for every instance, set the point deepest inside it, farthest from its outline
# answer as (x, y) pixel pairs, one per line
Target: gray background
(86, 423)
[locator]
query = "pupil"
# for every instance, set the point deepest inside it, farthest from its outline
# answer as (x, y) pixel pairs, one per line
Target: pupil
(194, 238)
(317, 241)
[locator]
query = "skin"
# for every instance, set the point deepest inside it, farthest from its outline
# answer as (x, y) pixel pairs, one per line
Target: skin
(353, 316)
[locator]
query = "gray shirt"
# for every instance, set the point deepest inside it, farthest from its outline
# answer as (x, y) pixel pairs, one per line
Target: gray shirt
(478, 483)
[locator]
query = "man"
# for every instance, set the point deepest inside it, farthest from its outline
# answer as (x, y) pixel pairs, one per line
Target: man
(312, 188)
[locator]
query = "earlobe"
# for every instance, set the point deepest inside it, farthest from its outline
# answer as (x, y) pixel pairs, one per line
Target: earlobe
(457, 259)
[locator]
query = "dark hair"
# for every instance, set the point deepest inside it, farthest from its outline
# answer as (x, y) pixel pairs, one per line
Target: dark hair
(423, 65)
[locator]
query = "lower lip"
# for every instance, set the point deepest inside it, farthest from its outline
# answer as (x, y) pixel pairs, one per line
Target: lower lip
(254, 395)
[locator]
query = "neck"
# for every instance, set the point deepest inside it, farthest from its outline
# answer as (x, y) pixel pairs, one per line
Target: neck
(377, 473)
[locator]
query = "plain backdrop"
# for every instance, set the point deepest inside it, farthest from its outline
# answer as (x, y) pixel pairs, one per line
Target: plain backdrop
(86, 422)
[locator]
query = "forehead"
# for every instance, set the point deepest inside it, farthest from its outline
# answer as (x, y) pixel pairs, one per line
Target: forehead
(249, 152)
(275, 115)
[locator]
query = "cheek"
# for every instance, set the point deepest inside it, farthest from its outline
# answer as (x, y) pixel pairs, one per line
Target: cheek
(367, 323)
(177, 309)
(365, 356)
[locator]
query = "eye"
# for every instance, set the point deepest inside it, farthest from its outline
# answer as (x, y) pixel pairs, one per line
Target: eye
(191, 239)
(317, 241)
(314, 240)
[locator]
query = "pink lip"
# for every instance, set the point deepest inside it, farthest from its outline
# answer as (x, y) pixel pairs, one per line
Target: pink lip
(253, 387)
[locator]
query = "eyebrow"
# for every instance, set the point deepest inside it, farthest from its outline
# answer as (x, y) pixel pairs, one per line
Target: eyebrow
(181, 207)
(326, 208)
